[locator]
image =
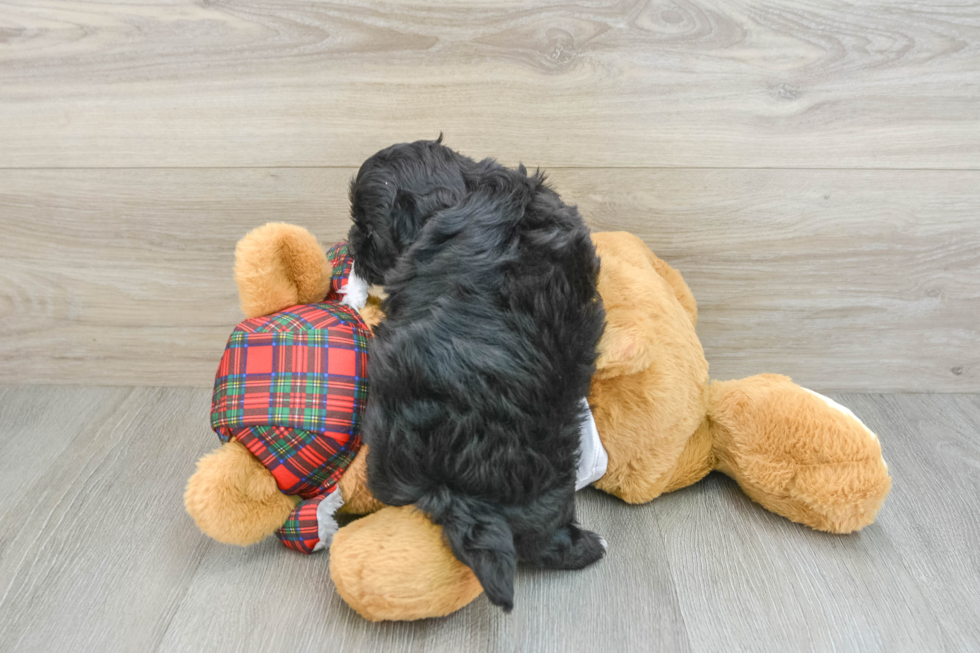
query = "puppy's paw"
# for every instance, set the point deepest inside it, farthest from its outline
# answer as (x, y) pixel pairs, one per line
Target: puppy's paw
(593, 548)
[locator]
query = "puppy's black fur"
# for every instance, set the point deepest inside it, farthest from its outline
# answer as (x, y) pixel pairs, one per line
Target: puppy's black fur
(489, 343)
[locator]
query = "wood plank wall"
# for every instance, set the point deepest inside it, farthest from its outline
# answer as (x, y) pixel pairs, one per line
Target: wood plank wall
(812, 168)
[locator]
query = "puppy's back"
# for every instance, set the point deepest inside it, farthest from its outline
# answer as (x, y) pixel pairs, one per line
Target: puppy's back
(478, 372)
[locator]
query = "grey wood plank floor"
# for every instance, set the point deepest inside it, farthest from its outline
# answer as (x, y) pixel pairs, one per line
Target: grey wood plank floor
(96, 553)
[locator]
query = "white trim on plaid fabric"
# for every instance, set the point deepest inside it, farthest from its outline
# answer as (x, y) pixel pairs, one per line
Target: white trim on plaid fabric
(593, 459)
(325, 520)
(355, 291)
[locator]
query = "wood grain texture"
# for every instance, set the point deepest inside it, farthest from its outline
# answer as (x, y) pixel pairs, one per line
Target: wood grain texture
(628, 599)
(97, 550)
(845, 280)
(97, 554)
(936, 482)
(752, 581)
(595, 83)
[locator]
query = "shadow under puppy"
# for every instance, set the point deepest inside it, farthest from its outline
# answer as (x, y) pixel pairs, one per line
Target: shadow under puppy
(478, 373)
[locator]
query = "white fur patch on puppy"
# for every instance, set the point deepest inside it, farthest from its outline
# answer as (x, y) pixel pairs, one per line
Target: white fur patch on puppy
(593, 459)
(325, 521)
(355, 291)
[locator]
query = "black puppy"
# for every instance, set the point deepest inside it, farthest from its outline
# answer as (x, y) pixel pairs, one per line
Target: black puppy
(477, 374)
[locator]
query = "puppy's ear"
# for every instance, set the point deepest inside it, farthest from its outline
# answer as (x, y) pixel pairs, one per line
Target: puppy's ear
(405, 218)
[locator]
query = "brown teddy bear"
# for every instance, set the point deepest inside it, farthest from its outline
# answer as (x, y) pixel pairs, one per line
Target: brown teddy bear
(288, 398)
(662, 423)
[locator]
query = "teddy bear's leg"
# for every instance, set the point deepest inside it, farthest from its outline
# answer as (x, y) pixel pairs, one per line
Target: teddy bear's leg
(279, 265)
(797, 453)
(393, 565)
(234, 499)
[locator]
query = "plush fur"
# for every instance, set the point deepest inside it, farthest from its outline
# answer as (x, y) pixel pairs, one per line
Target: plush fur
(353, 487)
(665, 426)
(489, 342)
(279, 265)
(451, 585)
(790, 451)
(233, 497)
(651, 367)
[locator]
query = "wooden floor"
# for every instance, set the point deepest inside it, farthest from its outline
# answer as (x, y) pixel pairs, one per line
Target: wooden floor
(97, 554)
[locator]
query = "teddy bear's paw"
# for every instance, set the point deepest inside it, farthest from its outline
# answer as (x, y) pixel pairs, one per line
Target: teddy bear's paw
(234, 499)
(798, 453)
(841, 497)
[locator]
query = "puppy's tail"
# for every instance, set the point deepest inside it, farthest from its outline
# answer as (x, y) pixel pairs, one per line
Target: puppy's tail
(479, 537)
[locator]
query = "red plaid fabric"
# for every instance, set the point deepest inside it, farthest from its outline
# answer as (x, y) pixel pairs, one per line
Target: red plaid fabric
(301, 532)
(304, 463)
(291, 387)
(302, 367)
(342, 264)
